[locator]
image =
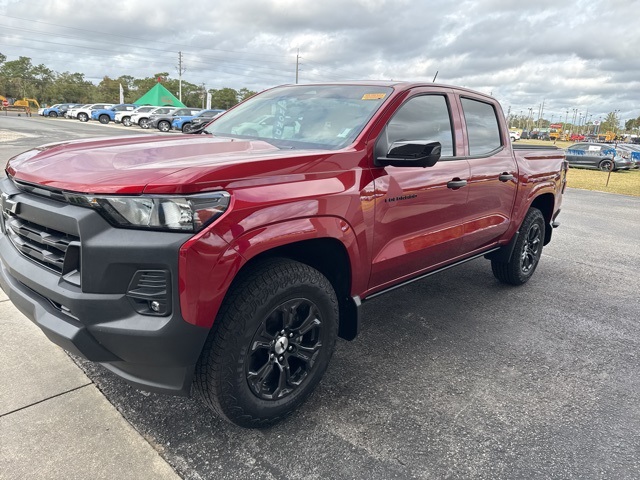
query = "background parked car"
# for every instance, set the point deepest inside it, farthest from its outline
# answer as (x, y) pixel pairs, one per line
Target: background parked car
(109, 114)
(163, 122)
(72, 112)
(124, 116)
(629, 151)
(200, 122)
(84, 113)
(58, 110)
(183, 122)
(142, 118)
(596, 155)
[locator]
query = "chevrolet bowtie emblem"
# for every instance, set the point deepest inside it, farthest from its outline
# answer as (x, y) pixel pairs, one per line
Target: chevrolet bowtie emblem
(8, 204)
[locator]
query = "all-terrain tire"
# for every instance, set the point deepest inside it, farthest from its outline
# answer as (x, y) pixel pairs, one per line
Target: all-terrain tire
(270, 344)
(526, 253)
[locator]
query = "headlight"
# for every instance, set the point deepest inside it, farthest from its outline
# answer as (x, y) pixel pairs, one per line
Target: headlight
(182, 214)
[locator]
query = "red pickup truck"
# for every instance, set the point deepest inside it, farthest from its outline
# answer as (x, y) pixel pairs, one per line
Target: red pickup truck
(231, 260)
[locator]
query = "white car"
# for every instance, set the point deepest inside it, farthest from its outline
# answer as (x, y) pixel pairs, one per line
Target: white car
(514, 134)
(142, 118)
(84, 114)
(124, 117)
(73, 111)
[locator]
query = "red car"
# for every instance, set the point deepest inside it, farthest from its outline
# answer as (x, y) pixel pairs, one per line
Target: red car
(233, 259)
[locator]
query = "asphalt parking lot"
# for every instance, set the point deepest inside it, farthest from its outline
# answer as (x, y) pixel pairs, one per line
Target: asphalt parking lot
(455, 376)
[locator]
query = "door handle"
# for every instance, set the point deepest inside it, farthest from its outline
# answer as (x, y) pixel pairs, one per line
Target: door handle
(505, 177)
(456, 183)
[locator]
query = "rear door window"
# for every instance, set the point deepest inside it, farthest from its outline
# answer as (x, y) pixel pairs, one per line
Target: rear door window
(483, 130)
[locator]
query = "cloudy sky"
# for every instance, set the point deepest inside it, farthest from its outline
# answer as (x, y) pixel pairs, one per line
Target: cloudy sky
(576, 57)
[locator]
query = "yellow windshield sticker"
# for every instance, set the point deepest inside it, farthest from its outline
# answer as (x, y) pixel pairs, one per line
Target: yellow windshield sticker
(373, 96)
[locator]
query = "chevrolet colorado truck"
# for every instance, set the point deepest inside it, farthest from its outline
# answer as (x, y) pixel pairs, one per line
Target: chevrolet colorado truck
(229, 261)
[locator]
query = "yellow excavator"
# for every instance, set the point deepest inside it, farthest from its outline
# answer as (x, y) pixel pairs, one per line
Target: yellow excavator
(31, 103)
(26, 105)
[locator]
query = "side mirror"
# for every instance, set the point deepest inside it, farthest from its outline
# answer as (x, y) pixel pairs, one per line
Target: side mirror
(414, 153)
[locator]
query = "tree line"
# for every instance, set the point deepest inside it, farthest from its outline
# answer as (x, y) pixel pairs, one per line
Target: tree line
(21, 79)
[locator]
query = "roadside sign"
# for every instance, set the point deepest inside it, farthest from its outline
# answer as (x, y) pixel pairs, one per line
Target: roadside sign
(5, 103)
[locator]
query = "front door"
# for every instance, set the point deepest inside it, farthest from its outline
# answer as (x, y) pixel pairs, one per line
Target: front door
(419, 212)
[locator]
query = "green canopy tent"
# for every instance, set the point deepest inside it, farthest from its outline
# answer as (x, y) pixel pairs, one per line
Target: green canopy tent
(160, 97)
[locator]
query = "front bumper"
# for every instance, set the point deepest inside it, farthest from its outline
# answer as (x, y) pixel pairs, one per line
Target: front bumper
(96, 311)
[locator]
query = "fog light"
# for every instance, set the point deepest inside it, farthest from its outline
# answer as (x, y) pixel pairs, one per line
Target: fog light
(155, 306)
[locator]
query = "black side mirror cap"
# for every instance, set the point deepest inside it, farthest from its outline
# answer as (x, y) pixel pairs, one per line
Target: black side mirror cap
(414, 153)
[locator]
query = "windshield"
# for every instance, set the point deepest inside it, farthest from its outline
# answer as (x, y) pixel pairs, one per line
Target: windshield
(303, 116)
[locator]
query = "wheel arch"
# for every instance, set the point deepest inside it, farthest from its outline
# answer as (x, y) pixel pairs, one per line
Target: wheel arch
(545, 204)
(330, 257)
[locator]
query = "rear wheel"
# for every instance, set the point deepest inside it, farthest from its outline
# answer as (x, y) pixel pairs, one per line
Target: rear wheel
(270, 344)
(526, 253)
(606, 165)
(164, 126)
(104, 119)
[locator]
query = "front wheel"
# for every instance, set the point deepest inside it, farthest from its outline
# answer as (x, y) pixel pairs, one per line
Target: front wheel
(270, 344)
(186, 128)
(164, 126)
(104, 119)
(144, 123)
(526, 253)
(126, 121)
(53, 114)
(83, 117)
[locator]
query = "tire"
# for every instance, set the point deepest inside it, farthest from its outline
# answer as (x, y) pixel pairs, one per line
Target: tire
(526, 253)
(126, 121)
(53, 114)
(83, 117)
(250, 372)
(606, 165)
(104, 119)
(164, 126)
(144, 123)
(186, 128)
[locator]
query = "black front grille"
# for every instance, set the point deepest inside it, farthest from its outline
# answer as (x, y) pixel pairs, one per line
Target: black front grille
(57, 251)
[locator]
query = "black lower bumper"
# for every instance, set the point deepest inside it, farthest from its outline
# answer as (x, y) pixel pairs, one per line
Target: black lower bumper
(98, 314)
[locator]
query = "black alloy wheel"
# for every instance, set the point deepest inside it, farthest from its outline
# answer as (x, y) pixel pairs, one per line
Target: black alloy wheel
(104, 119)
(270, 343)
(526, 251)
(53, 114)
(284, 349)
(606, 165)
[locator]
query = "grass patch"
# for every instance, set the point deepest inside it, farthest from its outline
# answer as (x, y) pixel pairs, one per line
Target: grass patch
(625, 182)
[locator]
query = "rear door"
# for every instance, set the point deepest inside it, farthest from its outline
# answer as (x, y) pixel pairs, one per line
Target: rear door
(493, 179)
(418, 211)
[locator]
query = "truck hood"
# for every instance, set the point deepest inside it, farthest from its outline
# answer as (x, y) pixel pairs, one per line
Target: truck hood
(134, 165)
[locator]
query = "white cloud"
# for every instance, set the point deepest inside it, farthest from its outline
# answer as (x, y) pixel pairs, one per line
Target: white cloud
(573, 54)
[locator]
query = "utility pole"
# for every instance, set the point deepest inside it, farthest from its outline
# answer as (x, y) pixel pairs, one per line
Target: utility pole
(297, 65)
(542, 109)
(204, 94)
(181, 70)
